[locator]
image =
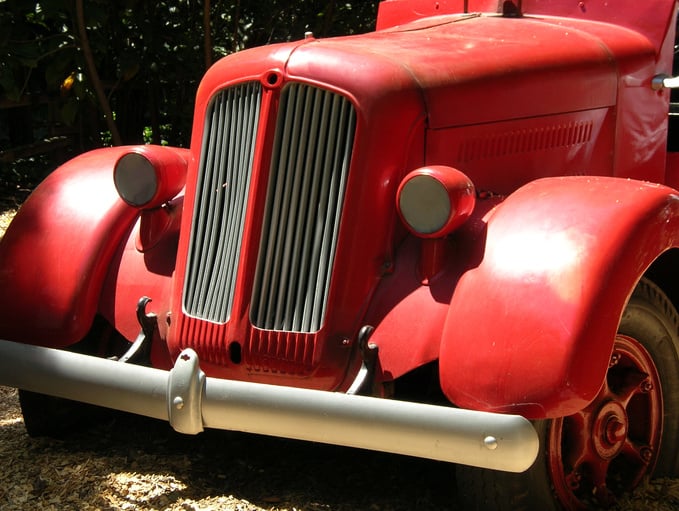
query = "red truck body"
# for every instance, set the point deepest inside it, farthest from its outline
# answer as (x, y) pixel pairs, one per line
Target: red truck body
(474, 189)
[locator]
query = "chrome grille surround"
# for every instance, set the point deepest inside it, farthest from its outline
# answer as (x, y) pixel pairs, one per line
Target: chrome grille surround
(310, 164)
(222, 192)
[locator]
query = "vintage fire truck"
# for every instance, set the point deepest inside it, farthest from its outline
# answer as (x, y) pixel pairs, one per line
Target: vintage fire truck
(456, 237)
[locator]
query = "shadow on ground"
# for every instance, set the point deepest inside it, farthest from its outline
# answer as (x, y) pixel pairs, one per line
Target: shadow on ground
(129, 462)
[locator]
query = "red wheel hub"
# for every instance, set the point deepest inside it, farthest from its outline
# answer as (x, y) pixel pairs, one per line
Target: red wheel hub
(609, 429)
(607, 448)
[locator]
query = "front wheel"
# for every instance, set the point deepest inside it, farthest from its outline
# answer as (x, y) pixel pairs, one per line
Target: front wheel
(629, 432)
(56, 417)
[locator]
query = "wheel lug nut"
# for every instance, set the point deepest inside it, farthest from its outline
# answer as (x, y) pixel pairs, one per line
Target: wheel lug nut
(615, 358)
(646, 386)
(646, 454)
(574, 479)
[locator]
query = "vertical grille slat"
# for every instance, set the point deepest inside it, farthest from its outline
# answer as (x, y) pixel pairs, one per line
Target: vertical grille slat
(310, 163)
(221, 201)
(275, 211)
(317, 139)
(335, 198)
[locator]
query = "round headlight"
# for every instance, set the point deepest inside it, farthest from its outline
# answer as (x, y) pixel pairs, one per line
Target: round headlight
(135, 179)
(433, 201)
(149, 176)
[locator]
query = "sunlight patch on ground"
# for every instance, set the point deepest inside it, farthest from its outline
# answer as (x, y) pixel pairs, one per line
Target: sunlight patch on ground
(5, 219)
(10, 421)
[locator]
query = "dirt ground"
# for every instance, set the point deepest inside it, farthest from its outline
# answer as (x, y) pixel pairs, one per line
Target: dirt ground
(7, 212)
(131, 463)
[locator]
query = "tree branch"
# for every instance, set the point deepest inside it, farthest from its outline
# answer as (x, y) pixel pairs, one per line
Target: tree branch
(207, 30)
(94, 75)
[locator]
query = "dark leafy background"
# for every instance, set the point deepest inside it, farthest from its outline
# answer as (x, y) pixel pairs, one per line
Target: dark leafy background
(149, 56)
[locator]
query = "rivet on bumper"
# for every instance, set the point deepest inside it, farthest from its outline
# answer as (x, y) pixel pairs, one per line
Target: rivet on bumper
(490, 442)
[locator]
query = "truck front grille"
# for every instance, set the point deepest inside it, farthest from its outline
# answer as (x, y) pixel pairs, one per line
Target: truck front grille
(310, 163)
(310, 160)
(221, 202)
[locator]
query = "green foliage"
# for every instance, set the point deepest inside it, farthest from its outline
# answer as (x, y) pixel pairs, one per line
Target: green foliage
(282, 20)
(149, 55)
(36, 47)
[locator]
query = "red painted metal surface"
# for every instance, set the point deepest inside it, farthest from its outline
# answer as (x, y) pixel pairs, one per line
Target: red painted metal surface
(520, 304)
(530, 328)
(143, 265)
(55, 256)
(652, 21)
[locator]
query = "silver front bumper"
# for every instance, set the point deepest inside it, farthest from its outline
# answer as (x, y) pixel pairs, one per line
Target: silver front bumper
(190, 401)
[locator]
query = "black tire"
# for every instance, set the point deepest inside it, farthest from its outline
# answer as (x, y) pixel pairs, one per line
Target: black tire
(589, 459)
(47, 416)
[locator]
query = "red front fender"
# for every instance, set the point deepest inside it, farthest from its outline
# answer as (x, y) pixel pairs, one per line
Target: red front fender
(56, 253)
(530, 329)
